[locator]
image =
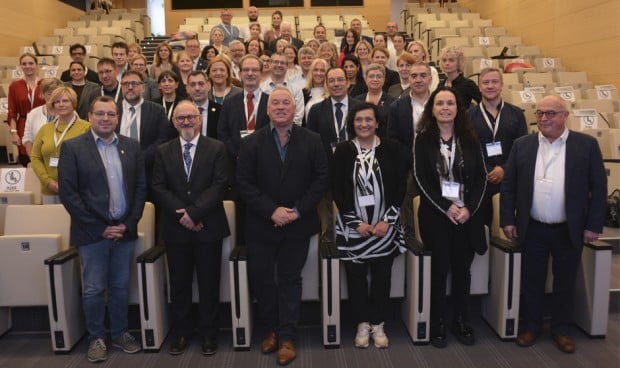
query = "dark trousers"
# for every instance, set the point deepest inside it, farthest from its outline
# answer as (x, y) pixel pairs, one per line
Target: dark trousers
(541, 241)
(275, 279)
(369, 306)
(205, 258)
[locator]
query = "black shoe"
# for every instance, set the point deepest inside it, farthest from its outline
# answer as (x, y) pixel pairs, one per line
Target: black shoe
(178, 346)
(463, 332)
(438, 337)
(209, 346)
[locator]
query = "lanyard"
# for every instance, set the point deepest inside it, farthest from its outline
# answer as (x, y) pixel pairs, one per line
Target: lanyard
(169, 111)
(448, 156)
(57, 140)
(31, 92)
(488, 121)
(118, 91)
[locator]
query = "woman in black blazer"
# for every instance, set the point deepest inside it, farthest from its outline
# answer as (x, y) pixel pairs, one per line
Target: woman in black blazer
(449, 168)
(368, 186)
(374, 94)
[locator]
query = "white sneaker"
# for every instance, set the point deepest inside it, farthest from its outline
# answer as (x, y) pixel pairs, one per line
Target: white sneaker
(379, 336)
(361, 338)
(97, 351)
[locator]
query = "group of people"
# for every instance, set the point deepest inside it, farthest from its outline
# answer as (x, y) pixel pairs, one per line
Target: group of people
(283, 136)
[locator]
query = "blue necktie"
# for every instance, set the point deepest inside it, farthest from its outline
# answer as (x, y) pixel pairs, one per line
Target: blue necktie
(187, 157)
(341, 132)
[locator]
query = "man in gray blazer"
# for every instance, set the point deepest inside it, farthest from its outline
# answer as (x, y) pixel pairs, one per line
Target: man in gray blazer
(553, 200)
(103, 187)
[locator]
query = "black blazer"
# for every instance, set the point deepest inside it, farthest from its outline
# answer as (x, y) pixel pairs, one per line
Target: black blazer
(321, 120)
(232, 120)
(265, 182)
(466, 90)
(154, 130)
(433, 205)
(391, 78)
(91, 76)
(201, 195)
(85, 193)
(172, 131)
(400, 122)
(213, 118)
(383, 109)
(585, 185)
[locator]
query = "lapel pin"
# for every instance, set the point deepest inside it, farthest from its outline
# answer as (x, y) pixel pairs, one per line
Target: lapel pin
(122, 152)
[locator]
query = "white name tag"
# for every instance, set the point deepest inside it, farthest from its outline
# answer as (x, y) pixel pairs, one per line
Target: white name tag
(450, 190)
(245, 133)
(53, 161)
(494, 149)
(367, 200)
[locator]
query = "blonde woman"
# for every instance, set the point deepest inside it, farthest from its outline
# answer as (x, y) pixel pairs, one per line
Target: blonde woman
(163, 60)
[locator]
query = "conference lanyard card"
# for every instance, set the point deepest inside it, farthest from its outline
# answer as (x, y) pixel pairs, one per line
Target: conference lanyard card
(53, 161)
(450, 190)
(367, 200)
(245, 133)
(494, 149)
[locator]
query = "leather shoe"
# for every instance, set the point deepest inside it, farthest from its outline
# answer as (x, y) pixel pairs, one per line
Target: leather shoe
(526, 338)
(270, 343)
(463, 332)
(438, 336)
(178, 346)
(209, 346)
(287, 353)
(564, 343)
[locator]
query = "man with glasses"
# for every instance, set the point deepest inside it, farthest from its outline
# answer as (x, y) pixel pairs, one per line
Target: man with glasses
(110, 86)
(498, 125)
(553, 200)
(190, 178)
(144, 121)
(102, 185)
(78, 53)
(192, 47)
(230, 32)
(278, 77)
(198, 87)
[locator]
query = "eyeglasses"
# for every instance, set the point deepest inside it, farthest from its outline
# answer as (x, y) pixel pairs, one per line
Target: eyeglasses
(550, 114)
(189, 118)
(375, 76)
(250, 70)
(100, 114)
(131, 84)
(278, 62)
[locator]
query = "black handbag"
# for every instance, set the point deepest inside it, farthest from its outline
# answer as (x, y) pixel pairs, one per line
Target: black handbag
(612, 217)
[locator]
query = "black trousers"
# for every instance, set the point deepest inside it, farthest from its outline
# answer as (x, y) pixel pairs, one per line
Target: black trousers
(275, 280)
(369, 305)
(205, 258)
(541, 241)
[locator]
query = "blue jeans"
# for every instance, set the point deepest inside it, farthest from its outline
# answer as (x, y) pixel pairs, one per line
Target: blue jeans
(106, 265)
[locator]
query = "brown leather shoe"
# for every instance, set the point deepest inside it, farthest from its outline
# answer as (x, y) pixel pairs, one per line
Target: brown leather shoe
(270, 343)
(564, 343)
(287, 353)
(526, 338)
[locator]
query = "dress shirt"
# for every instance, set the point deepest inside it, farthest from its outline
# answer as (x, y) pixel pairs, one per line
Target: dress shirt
(192, 151)
(114, 175)
(127, 118)
(548, 202)
(417, 109)
(345, 110)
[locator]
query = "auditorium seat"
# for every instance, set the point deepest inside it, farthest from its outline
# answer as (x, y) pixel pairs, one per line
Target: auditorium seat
(601, 106)
(548, 64)
(494, 31)
(75, 24)
(70, 40)
(533, 79)
(195, 20)
(602, 93)
(576, 79)
(469, 31)
(63, 32)
(528, 51)
(509, 41)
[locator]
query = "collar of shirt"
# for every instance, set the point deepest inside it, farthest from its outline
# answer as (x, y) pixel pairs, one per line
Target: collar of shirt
(344, 102)
(113, 140)
(498, 107)
(256, 93)
(127, 105)
(194, 141)
(562, 138)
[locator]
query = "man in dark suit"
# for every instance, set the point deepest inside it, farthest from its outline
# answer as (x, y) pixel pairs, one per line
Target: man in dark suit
(198, 87)
(190, 178)
(236, 121)
(78, 53)
(403, 118)
(286, 32)
(553, 200)
(328, 119)
(282, 175)
(192, 47)
(142, 120)
(498, 124)
(103, 187)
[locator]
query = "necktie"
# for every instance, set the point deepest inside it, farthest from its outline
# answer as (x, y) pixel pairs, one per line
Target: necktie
(133, 127)
(201, 110)
(339, 115)
(250, 106)
(187, 157)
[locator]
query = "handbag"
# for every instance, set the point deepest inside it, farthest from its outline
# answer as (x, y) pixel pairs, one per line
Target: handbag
(612, 217)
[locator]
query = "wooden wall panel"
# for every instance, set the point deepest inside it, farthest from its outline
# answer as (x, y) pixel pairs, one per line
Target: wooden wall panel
(584, 34)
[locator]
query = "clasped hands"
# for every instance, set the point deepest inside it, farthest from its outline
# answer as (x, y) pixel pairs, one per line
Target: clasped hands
(458, 215)
(379, 230)
(114, 232)
(187, 221)
(283, 216)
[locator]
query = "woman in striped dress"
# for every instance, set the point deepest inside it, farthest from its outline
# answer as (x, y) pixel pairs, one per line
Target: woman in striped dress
(368, 186)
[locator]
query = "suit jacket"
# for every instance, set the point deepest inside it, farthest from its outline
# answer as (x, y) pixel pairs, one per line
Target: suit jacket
(295, 41)
(585, 185)
(391, 78)
(202, 64)
(91, 76)
(213, 118)
(154, 130)
(85, 193)
(383, 109)
(201, 194)
(232, 120)
(400, 122)
(466, 90)
(321, 120)
(89, 93)
(265, 182)
(151, 89)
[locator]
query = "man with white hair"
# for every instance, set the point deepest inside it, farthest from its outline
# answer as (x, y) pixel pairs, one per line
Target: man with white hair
(286, 31)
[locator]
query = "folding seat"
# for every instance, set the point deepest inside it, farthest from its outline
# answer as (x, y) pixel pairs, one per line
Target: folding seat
(470, 16)
(70, 40)
(483, 41)
(195, 20)
(509, 41)
(469, 31)
(75, 24)
(86, 31)
(548, 64)
(482, 23)
(532, 79)
(576, 79)
(528, 51)
(602, 92)
(459, 23)
(99, 23)
(64, 32)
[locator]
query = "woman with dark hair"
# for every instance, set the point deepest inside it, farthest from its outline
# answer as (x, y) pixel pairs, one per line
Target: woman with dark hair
(449, 168)
(352, 71)
(254, 46)
(168, 83)
(208, 53)
(86, 90)
(368, 186)
(351, 38)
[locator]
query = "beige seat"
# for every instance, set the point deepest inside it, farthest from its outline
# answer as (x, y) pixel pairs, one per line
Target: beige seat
(575, 79)
(469, 31)
(548, 64)
(601, 106)
(509, 41)
(10, 198)
(528, 51)
(602, 93)
(494, 31)
(539, 80)
(64, 32)
(86, 31)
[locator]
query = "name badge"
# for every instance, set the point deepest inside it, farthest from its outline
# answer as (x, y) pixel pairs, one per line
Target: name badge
(245, 133)
(494, 149)
(450, 190)
(367, 200)
(544, 185)
(53, 161)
